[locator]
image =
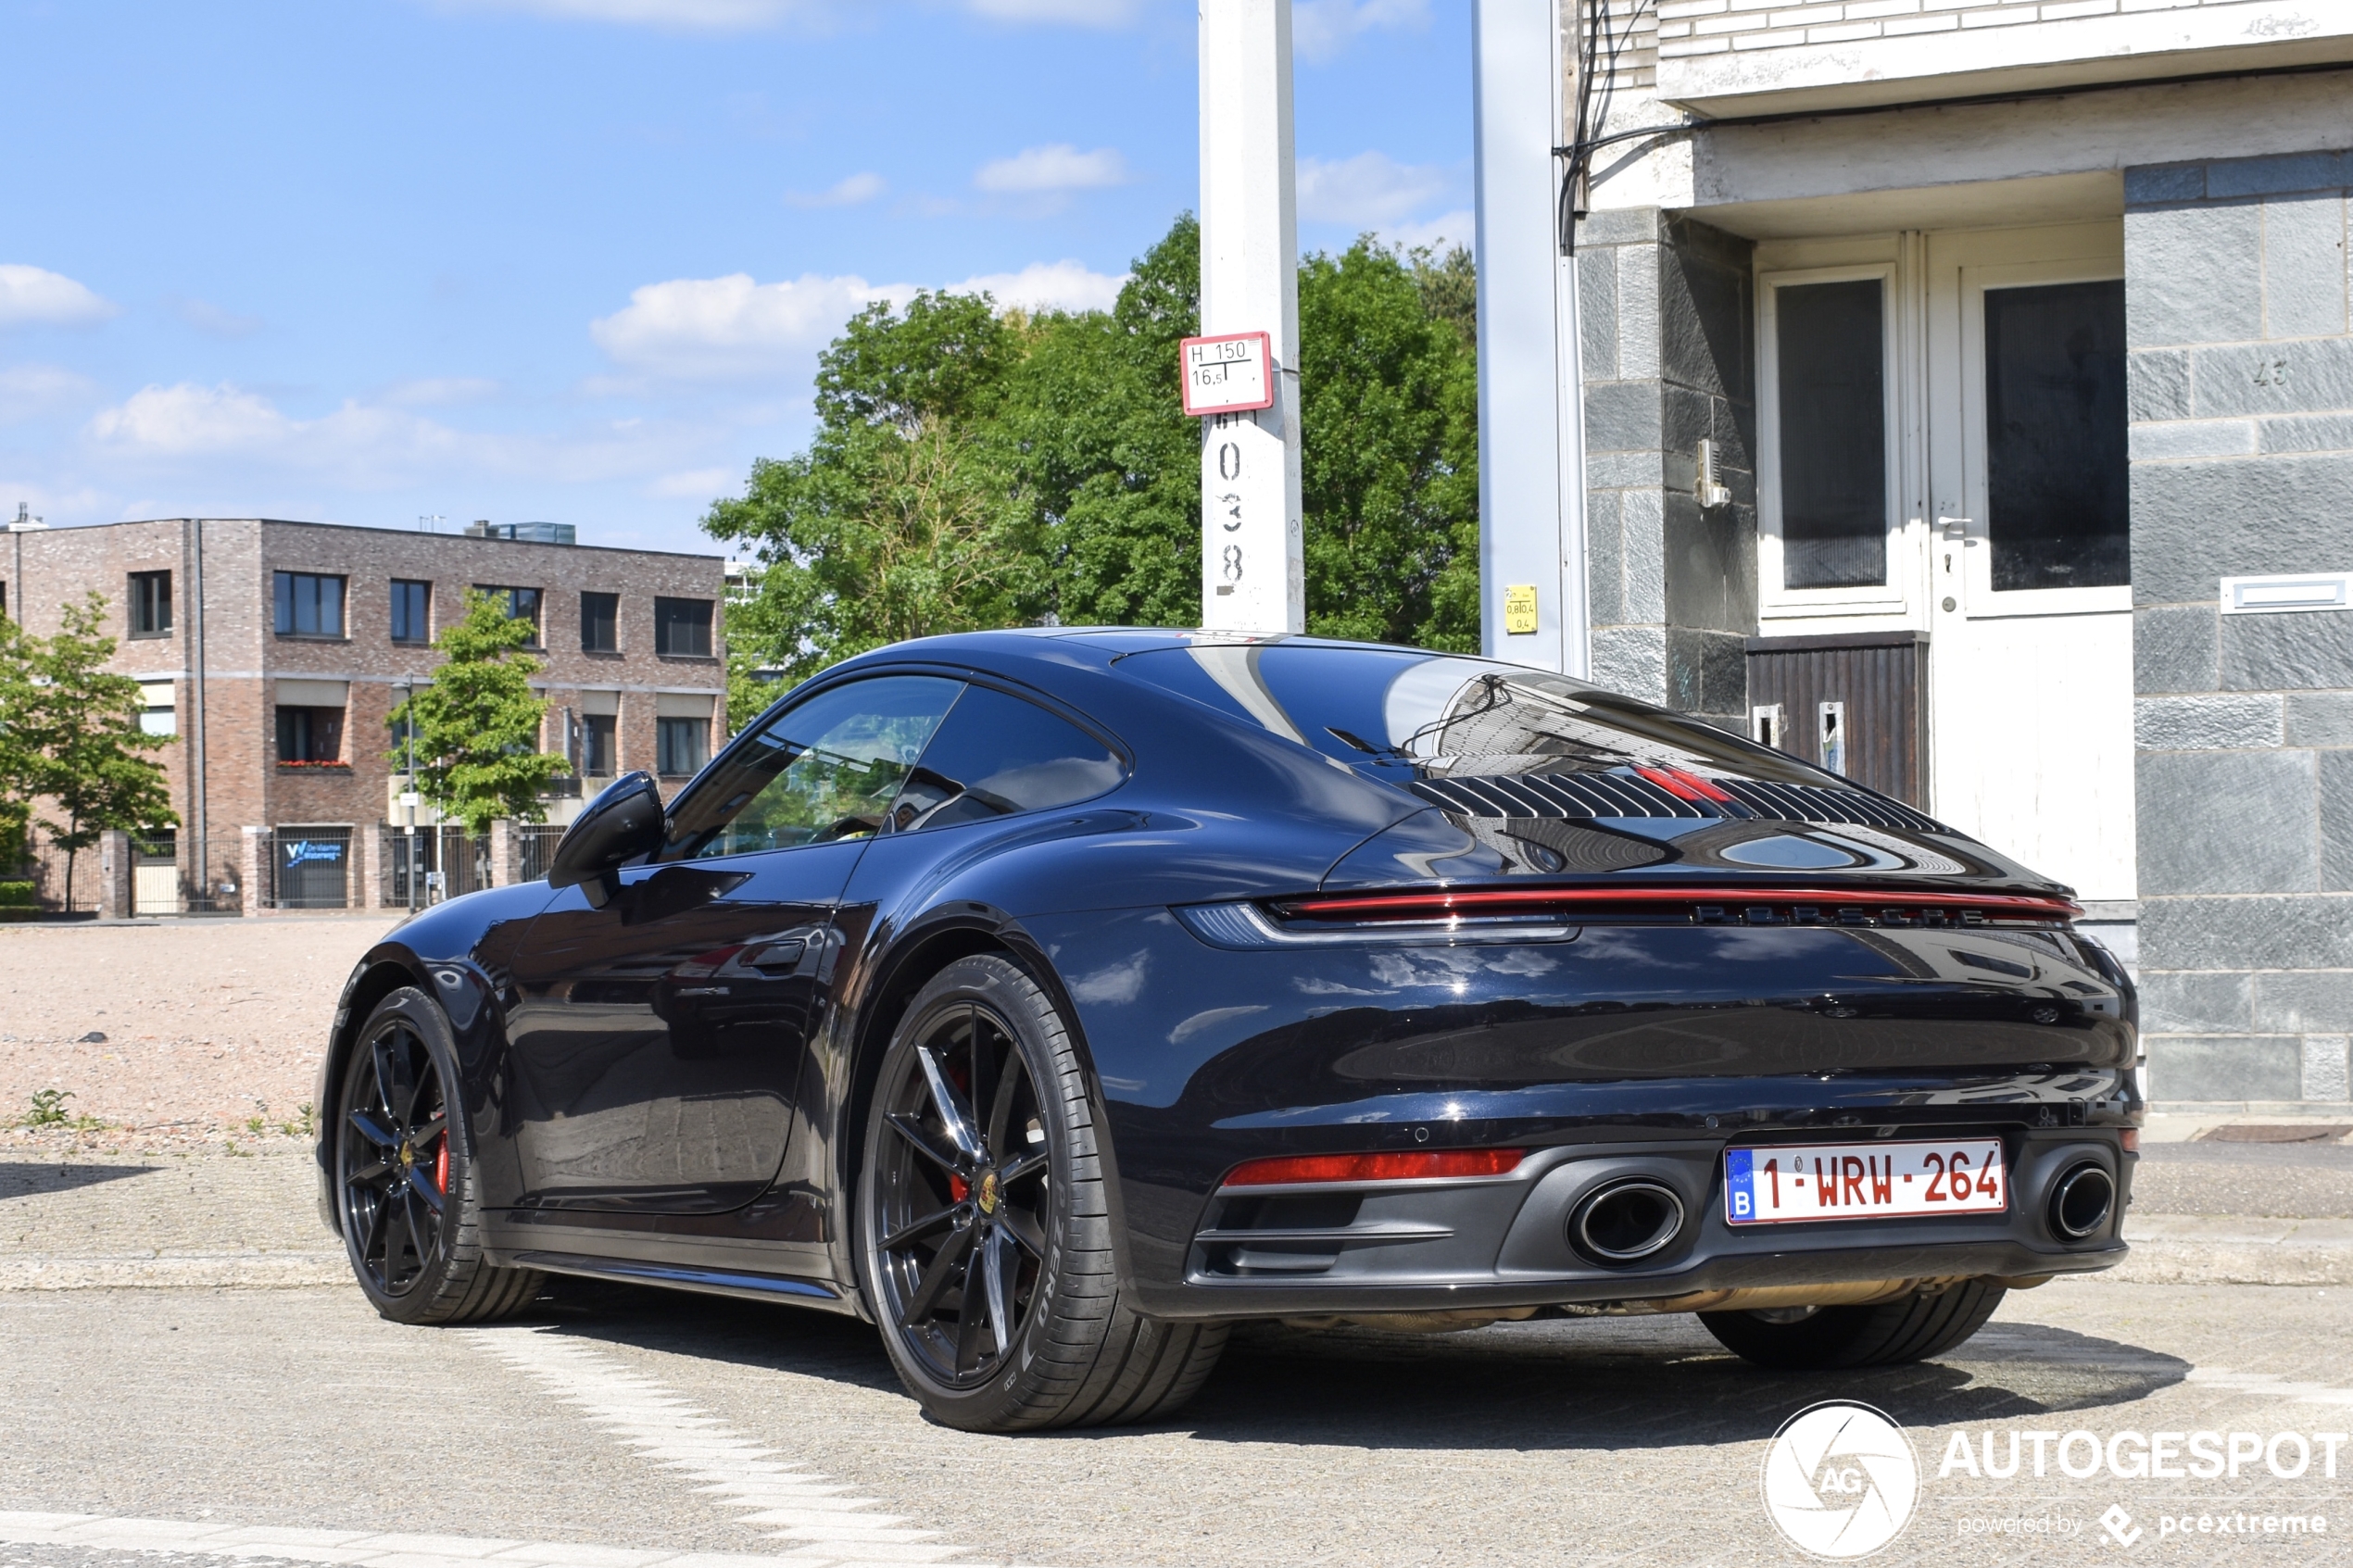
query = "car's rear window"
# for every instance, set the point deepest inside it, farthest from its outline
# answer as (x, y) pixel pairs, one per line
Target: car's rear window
(1430, 715)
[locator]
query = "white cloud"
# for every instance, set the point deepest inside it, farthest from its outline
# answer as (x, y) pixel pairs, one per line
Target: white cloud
(718, 328)
(34, 297)
(697, 484)
(1046, 285)
(855, 191)
(681, 16)
(1441, 234)
(1046, 170)
(1080, 13)
(27, 391)
(186, 419)
(430, 392)
(1370, 189)
(212, 321)
(187, 428)
(1321, 29)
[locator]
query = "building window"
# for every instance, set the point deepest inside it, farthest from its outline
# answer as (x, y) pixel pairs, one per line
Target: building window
(151, 604)
(600, 623)
(2056, 472)
(1829, 344)
(683, 627)
(522, 604)
(683, 745)
(309, 605)
(599, 744)
(411, 611)
(309, 736)
(158, 714)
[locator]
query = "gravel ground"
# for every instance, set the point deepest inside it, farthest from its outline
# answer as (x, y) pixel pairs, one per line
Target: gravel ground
(172, 1036)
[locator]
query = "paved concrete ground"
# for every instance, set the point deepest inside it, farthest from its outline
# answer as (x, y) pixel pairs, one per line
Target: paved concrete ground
(1634, 1440)
(641, 1423)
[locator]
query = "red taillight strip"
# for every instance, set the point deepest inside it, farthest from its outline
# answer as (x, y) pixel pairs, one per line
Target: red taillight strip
(1491, 900)
(1690, 787)
(1406, 1166)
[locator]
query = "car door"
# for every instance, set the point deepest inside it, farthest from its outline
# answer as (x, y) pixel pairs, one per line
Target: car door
(655, 1042)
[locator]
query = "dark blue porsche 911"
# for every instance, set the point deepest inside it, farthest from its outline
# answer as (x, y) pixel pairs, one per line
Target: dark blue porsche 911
(1057, 1000)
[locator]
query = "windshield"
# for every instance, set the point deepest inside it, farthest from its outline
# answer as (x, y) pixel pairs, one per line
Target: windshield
(1411, 714)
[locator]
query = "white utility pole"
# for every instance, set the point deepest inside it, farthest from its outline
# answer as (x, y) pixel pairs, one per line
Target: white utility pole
(1253, 573)
(1531, 437)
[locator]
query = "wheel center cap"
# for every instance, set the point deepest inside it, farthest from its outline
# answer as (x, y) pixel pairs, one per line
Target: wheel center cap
(987, 1194)
(407, 1154)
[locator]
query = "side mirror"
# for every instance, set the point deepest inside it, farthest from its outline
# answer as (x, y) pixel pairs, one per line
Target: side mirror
(623, 822)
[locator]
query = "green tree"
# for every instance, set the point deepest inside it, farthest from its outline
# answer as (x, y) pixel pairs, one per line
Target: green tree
(904, 517)
(477, 725)
(1111, 465)
(74, 743)
(1389, 416)
(972, 468)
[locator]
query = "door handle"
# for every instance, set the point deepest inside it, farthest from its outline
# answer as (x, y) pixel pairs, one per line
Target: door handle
(778, 957)
(1954, 527)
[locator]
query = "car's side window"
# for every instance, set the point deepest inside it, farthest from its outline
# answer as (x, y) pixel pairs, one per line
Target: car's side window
(996, 754)
(823, 770)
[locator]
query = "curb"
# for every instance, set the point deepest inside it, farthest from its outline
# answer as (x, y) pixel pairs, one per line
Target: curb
(2232, 1249)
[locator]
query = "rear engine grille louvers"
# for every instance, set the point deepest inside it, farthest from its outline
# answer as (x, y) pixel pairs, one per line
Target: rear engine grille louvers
(1629, 794)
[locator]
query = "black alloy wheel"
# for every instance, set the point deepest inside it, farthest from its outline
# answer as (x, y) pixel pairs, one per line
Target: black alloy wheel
(984, 1238)
(963, 1199)
(404, 1168)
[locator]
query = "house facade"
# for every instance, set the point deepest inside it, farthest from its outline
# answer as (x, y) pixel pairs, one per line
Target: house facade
(275, 652)
(1961, 393)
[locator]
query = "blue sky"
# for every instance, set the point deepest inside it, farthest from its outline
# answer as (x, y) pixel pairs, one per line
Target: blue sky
(373, 260)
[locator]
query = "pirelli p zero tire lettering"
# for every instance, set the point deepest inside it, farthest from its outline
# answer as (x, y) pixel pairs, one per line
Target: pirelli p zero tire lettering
(1911, 1329)
(409, 1201)
(984, 1243)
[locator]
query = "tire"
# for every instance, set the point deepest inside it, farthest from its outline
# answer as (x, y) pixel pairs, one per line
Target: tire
(1040, 1337)
(1911, 1328)
(409, 1200)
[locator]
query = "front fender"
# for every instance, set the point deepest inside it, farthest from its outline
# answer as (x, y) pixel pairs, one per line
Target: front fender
(455, 953)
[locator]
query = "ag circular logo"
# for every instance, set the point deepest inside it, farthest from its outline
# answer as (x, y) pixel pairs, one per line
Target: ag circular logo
(1841, 1479)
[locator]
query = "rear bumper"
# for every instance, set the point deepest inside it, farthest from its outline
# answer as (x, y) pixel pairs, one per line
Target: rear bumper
(1503, 1242)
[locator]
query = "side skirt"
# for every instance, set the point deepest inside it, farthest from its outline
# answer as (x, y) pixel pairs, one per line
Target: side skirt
(710, 1282)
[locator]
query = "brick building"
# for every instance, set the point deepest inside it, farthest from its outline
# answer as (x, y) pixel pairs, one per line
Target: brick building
(1961, 392)
(275, 651)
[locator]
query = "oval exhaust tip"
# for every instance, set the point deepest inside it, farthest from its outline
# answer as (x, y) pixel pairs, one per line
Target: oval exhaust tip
(1626, 1222)
(2081, 1201)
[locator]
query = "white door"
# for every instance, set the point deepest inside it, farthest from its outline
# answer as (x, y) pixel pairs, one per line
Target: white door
(2029, 603)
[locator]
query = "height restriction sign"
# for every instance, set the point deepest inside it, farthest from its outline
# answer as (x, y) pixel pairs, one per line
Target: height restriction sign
(1233, 374)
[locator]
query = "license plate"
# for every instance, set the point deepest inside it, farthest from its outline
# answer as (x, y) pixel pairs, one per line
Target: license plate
(1864, 1181)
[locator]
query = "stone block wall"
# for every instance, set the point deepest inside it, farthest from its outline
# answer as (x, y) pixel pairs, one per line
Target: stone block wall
(2242, 393)
(1665, 325)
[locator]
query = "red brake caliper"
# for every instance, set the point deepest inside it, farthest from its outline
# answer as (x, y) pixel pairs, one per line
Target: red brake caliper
(441, 1166)
(958, 1188)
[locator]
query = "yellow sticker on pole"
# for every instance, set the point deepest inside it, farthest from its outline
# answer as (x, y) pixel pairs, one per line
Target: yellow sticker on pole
(1519, 607)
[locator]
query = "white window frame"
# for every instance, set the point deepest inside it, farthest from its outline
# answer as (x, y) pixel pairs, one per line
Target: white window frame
(1774, 600)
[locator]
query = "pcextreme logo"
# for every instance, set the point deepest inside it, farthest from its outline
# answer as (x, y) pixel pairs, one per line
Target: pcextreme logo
(1841, 1479)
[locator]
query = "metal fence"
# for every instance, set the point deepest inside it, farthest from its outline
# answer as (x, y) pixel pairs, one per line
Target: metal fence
(446, 863)
(310, 869)
(534, 847)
